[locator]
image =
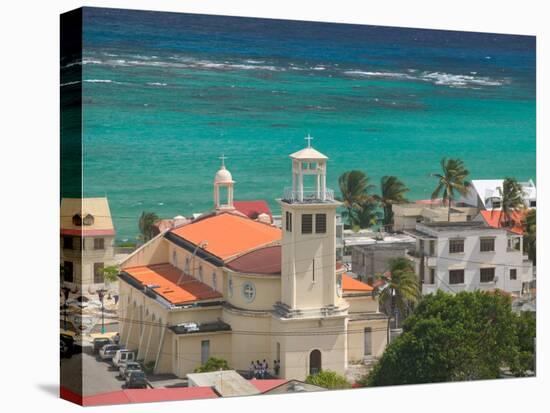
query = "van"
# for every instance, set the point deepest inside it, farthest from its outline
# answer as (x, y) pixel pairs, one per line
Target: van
(122, 357)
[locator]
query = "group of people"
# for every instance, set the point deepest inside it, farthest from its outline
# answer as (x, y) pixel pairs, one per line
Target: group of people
(259, 370)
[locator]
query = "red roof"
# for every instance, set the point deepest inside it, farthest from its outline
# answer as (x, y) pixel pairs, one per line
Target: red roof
(253, 208)
(350, 284)
(268, 384)
(164, 278)
(228, 235)
(493, 219)
(141, 395)
(265, 260)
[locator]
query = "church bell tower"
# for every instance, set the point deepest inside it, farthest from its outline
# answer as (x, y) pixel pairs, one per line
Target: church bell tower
(309, 280)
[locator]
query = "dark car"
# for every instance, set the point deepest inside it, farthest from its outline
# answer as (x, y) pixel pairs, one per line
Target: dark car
(67, 345)
(99, 343)
(136, 380)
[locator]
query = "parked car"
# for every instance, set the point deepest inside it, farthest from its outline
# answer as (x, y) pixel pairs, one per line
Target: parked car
(108, 351)
(67, 345)
(99, 342)
(122, 357)
(136, 380)
(129, 367)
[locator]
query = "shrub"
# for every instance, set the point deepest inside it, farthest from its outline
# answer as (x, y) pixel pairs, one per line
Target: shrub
(329, 380)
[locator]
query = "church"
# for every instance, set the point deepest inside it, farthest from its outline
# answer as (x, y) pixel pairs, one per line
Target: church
(228, 286)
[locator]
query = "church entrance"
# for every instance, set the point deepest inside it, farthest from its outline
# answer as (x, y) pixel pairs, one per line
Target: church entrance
(314, 362)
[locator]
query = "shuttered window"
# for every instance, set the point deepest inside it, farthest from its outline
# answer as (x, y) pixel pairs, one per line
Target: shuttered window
(486, 275)
(307, 224)
(320, 223)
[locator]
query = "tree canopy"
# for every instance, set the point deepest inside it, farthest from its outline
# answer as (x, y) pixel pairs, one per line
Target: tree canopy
(466, 336)
(213, 364)
(329, 380)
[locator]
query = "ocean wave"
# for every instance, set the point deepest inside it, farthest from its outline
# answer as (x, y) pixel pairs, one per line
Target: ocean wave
(378, 74)
(157, 84)
(448, 79)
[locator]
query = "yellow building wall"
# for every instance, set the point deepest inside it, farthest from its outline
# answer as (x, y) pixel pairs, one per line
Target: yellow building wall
(154, 252)
(362, 304)
(356, 338)
(186, 354)
(268, 291)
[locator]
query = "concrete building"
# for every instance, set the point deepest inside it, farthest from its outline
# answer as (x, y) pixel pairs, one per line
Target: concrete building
(372, 256)
(467, 256)
(406, 216)
(87, 241)
(485, 194)
(228, 286)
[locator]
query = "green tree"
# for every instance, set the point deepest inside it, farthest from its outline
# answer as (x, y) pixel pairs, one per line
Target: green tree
(392, 191)
(526, 330)
(465, 336)
(110, 275)
(511, 195)
(329, 380)
(146, 223)
(399, 287)
(366, 215)
(453, 179)
(530, 235)
(213, 364)
(354, 187)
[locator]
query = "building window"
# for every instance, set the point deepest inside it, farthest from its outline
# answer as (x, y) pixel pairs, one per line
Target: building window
(186, 268)
(88, 220)
(487, 244)
(432, 247)
(67, 243)
(486, 275)
(249, 292)
(533, 204)
(456, 246)
(456, 277)
(288, 221)
(432, 276)
(205, 351)
(368, 341)
(307, 223)
(99, 244)
(339, 285)
(230, 286)
(496, 204)
(513, 274)
(77, 220)
(200, 273)
(320, 223)
(214, 281)
(98, 272)
(174, 259)
(421, 246)
(68, 271)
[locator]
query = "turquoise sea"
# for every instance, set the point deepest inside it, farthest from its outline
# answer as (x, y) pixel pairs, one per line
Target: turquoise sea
(166, 94)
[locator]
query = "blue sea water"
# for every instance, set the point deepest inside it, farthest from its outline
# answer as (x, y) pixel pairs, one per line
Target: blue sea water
(165, 94)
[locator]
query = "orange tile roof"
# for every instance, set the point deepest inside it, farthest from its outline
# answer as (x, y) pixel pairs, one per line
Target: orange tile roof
(492, 218)
(165, 277)
(351, 284)
(228, 235)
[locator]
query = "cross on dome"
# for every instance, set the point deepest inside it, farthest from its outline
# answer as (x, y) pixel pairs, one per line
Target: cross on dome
(223, 158)
(309, 138)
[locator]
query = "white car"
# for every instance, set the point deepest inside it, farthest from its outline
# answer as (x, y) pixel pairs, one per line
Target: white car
(108, 351)
(122, 357)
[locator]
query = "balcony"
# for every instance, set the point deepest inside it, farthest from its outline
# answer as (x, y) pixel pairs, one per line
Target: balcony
(308, 196)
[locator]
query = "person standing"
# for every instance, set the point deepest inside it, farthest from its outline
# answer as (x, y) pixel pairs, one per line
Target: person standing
(116, 338)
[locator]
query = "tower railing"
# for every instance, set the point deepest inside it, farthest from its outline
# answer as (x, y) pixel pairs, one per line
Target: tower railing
(308, 195)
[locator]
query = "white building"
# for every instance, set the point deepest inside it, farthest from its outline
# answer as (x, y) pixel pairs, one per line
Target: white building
(485, 194)
(467, 256)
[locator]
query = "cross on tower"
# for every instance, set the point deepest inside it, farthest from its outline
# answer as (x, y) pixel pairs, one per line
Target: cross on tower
(223, 158)
(308, 138)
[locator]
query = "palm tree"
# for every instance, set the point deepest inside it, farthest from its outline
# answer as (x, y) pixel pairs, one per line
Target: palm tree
(354, 186)
(146, 222)
(530, 235)
(392, 192)
(399, 287)
(511, 195)
(366, 215)
(452, 180)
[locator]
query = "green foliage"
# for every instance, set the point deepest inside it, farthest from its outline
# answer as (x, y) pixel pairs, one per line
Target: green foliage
(467, 336)
(359, 204)
(530, 235)
(526, 330)
(110, 274)
(328, 379)
(392, 192)
(511, 195)
(213, 364)
(146, 223)
(126, 244)
(453, 179)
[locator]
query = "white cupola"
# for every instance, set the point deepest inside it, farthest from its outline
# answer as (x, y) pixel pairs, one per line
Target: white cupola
(223, 181)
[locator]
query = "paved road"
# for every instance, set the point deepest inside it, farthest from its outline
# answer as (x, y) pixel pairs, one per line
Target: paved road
(97, 377)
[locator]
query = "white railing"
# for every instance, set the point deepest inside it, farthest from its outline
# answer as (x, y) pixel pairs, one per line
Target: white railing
(308, 195)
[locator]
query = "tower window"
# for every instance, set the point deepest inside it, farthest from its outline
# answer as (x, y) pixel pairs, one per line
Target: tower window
(307, 223)
(288, 221)
(320, 223)
(513, 274)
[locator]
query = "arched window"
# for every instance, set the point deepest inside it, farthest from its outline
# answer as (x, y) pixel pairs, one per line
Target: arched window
(200, 273)
(214, 280)
(314, 362)
(186, 268)
(77, 220)
(174, 258)
(88, 220)
(230, 286)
